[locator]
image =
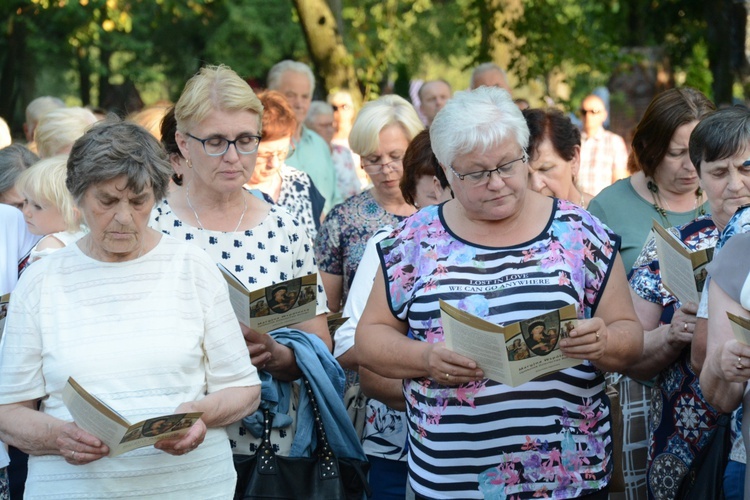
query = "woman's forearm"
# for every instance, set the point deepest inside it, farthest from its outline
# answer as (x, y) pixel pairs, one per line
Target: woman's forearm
(386, 390)
(720, 393)
(226, 406)
(624, 346)
(28, 429)
(658, 353)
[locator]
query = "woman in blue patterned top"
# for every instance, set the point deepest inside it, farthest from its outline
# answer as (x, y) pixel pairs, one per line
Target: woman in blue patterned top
(383, 130)
(681, 418)
(505, 253)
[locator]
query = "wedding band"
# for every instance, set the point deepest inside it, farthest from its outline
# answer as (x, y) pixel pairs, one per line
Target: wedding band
(73, 455)
(684, 327)
(739, 364)
(447, 376)
(597, 335)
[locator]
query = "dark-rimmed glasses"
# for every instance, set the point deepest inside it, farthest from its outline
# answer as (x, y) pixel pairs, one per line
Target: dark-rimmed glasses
(483, 176)
(246, 144)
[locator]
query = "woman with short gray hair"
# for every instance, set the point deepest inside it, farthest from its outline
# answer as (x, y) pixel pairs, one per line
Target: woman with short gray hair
(14, 159)
(507, 254)
(139, 319)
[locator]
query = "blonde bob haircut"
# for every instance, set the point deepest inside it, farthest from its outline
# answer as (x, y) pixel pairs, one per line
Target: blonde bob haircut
(44, 183)
(59, 129)
(376, 115)
(214, 88)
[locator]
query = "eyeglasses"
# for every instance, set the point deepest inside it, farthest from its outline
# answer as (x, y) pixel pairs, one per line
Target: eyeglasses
(376, 168)
(246, 144)
(343, 107)
(483, 176)
(584, 112)
(280, 155)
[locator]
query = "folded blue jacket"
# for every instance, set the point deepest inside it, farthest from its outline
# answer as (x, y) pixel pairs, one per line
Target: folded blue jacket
(327, 380)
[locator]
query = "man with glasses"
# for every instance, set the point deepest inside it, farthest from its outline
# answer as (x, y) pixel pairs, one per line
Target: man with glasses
(312, 155)
(604, 156)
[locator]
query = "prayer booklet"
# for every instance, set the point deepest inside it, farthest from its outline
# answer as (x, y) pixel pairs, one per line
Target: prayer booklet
(683, 272)
(740, 328)
(95, 417)
(4, 301)
(335, 320)
(275, 306)
(512, 354)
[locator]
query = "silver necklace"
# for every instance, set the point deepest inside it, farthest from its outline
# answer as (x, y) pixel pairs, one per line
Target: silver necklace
(198, 220)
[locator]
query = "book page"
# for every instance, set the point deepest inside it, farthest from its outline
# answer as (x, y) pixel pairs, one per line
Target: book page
(675, 266)
(239, 296)
(740, 328)
(480, 341)
(93, 416)
(148, 432)
(284, 304)
(512, 354)
(97, 418)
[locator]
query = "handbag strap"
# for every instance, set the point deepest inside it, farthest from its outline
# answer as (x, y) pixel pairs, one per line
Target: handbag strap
(329, 466)
(266, 463)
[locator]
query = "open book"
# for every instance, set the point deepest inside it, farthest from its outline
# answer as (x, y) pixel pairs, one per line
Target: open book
(740, 328)
(95, 417)
(275, 306)
(512, 354)
(683, 272)
(4, 300)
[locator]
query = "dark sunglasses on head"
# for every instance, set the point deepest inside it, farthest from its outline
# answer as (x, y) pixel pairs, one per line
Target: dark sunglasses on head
(584, 112)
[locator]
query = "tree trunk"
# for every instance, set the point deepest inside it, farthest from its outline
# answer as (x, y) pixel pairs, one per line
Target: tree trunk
(334, 64)
(12, 74)
(719, 41)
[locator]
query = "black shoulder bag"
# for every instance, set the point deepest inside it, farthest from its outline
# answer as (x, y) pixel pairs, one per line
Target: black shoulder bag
(705, 477)
(323, 475)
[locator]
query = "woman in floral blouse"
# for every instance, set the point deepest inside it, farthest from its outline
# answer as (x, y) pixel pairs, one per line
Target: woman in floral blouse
(380, 135)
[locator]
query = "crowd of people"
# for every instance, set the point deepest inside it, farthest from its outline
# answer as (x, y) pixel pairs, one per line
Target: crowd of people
(118, 235)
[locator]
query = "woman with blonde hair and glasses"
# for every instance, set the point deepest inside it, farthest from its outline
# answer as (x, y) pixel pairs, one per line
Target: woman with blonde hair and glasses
(218, 132)
(380, 135)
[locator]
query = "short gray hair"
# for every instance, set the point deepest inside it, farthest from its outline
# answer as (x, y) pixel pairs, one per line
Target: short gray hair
(476, 120)
(111, 149)
(720, 135)
(317, 108)
(14, 159)
(485, 68)
(278, 70)
(40, 107)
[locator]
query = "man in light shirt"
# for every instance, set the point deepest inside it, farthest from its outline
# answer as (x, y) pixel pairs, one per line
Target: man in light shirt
(604, 156)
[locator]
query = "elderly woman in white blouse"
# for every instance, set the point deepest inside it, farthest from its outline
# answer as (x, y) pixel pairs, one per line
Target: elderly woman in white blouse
(139, 319)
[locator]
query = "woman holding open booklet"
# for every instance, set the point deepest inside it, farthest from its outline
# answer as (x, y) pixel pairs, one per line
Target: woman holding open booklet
(718, 150)
(506, 254)
(142, 321)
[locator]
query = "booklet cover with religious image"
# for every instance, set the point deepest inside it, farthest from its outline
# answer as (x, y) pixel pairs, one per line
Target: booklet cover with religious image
(97, 418)
(511, 354)
(275, 306)
(4, 301)
(740, 328)
(683, 272)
